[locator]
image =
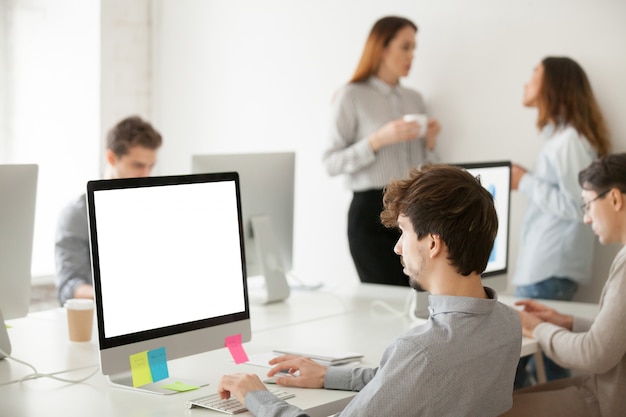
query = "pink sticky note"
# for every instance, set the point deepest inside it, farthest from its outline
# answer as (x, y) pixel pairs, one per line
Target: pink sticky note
(233, 343)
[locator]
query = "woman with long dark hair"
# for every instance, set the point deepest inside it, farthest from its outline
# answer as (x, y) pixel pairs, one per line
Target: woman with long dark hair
(556, 248)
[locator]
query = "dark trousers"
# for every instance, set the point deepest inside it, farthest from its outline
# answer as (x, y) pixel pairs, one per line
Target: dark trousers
(371, 243)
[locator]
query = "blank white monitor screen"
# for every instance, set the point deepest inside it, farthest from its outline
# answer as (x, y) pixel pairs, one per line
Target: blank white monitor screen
(496, 178)
(167, 256)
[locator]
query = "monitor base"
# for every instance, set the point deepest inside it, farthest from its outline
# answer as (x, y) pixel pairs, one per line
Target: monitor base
(277, 288)
(5, 342)
(125, 380)
(418, 307)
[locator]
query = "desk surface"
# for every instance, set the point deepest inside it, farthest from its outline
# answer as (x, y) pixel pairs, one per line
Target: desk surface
(306, 319)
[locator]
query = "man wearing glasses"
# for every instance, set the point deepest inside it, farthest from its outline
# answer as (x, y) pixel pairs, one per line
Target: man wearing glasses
(598, 347)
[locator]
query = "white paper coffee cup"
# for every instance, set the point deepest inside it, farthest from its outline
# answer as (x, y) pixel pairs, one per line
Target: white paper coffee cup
(79, 318)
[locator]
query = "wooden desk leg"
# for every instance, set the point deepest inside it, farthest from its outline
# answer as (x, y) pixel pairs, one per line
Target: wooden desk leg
(540, 368)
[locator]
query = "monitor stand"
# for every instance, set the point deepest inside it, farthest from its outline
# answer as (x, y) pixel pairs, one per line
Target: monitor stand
(418, 307)
(5, 343)
(125, 380)
(277, 288)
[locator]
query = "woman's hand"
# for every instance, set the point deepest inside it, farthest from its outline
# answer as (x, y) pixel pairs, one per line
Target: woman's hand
(545, 313)
(517, 172)
(396, 131)
(432, 131)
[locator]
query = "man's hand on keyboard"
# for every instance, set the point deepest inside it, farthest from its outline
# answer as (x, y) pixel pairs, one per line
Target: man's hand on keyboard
(305, 372)
(239, 385)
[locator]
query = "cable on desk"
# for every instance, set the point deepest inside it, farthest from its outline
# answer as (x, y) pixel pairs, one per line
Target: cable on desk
(410, 308)
(408, 302)
(310, 287)
(36, 374)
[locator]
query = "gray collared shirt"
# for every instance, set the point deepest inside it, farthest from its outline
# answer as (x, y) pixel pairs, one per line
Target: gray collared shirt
(71, 249)
(359, 110)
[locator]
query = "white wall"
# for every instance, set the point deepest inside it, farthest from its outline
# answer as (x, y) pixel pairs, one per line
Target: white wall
(126, 70)
(243, 76)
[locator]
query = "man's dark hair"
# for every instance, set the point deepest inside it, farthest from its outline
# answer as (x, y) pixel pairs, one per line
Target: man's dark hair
(605, 173)
(449, 202)
(132, 131)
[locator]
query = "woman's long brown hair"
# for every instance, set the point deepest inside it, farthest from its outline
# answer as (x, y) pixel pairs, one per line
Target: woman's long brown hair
(566, 97)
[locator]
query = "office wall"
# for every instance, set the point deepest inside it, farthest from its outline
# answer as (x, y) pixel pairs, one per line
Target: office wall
(245, 76)
(126, 70)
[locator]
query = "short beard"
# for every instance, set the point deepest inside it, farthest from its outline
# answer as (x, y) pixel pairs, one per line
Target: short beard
(416, 285)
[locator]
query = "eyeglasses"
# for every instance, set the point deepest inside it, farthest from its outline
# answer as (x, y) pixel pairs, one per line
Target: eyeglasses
(585, 207)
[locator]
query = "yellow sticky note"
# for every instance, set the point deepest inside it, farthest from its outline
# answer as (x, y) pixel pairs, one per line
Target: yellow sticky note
(140, 369)
(180, 387)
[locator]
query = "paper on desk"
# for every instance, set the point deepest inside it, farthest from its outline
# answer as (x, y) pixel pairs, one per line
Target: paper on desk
(263, 358)
(330, 356)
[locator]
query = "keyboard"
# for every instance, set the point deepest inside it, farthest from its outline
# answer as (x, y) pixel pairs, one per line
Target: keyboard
(231, 405)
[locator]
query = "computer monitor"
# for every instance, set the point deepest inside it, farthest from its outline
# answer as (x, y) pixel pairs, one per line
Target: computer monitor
(267, 199)
(496, 178)
(168, 268)
(18, 190)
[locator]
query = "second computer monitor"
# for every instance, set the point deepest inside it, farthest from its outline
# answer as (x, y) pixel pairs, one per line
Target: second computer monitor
(496, 178)
(267, 200)
(18, 189)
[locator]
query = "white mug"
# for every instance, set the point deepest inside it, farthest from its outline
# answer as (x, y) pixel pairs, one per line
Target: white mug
(421, 119)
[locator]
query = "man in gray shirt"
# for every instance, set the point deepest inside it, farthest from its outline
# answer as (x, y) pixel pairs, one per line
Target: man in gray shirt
(462, 361)
(132, 146)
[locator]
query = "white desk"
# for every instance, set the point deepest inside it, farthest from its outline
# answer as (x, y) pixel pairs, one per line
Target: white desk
(42, 338)
(343, 320)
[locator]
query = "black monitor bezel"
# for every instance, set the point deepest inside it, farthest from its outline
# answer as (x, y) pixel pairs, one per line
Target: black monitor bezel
(495, 164)
(112, 184)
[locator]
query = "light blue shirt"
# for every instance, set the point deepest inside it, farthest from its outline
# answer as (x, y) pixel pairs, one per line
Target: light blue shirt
(554, 241)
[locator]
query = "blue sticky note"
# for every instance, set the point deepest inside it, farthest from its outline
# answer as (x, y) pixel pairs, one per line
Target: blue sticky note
(158, 364)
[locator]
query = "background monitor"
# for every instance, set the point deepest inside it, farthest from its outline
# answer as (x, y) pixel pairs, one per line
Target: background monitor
(496, 178)
(267, 199)
(168, 265)
(18, 190)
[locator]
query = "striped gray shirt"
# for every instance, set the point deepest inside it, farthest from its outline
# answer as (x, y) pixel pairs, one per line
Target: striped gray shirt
(361, 109)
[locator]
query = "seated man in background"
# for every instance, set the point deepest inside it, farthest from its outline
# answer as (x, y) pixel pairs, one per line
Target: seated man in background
(598, 347)
(131, 152)
(462, 361)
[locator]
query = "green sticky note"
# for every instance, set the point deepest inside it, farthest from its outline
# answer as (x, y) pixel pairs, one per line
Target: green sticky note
(140, 369)
(180, 387)
(7, 326)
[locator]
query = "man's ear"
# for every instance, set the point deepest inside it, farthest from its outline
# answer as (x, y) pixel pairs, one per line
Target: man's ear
(111, 157)
(617, 199)
(435, 245)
